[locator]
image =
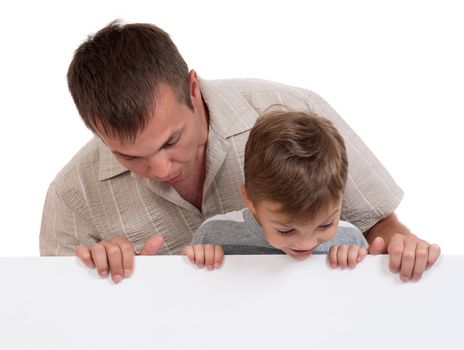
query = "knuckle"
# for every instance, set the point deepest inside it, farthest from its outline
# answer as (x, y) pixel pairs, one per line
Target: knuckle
(97, 248)
(395, 250)
(422, 253)
(408, 255)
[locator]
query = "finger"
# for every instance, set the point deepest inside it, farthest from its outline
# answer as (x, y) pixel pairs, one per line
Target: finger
(152, 245)
(352, 257)
(199, 255)
(422, 254)
(361, 254)
(434, 253)
(333, 251)
(377, 246)
(408, 259)
(128, 253)
(188, 251)
(98, 253)
(342, 256)
(395, 252)
(209, 256)
(218, 256)
(114, 254)
(83, 253)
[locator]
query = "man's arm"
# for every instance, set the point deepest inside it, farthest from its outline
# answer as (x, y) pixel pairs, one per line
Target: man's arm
(62, 228)
(409, 255)
(387, 228)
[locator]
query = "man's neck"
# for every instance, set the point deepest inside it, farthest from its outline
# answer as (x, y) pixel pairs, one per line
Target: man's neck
(191, 189)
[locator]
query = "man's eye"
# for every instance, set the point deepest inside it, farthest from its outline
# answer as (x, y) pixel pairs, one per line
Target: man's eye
(286, 232)
(172, 142)
(128, 157)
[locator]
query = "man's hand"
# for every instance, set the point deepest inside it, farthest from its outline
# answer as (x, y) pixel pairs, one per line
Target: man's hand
(207, 255)
(116, 256)
(409, 255)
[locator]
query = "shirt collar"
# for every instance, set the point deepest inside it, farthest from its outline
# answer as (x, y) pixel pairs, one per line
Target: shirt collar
(229, 112)
(108, 165)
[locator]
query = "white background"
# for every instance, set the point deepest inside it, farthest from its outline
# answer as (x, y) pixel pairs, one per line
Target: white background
(393, 70)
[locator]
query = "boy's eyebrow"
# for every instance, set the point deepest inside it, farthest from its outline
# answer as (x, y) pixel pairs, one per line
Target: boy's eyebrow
(330, 216)
(336, 211)
(289, 223)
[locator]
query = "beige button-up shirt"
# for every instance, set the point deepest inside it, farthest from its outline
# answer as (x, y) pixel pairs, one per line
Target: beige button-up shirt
(95, 198)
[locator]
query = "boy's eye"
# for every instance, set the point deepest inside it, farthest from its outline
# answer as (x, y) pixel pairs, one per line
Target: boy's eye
(326, 226)
(286, 232)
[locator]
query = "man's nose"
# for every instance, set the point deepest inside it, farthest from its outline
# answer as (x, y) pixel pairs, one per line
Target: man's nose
(159, 166)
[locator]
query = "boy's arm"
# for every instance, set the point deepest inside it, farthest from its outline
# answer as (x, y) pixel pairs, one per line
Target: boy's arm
(408, 254)
(202, 251)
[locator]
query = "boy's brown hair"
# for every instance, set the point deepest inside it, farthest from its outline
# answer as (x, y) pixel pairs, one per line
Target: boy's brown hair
(115, 76)
(296, 159)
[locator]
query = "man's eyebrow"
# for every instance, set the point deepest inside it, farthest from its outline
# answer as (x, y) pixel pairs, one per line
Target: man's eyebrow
(123, 155)
(172, 137)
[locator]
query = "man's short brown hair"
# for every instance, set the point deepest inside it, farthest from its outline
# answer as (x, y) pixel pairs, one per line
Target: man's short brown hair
(115, 76)
(295, 159)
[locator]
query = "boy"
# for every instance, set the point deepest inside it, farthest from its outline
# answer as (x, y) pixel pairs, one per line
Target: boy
(295, 174)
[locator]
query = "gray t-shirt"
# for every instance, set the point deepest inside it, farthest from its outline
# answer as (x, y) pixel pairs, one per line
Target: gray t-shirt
(239, 233)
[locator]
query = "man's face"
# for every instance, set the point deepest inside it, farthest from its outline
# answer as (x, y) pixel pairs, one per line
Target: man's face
(168, 149)
(296, 239)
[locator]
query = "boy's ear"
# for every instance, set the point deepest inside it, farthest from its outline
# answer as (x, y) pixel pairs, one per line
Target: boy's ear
(247, 199)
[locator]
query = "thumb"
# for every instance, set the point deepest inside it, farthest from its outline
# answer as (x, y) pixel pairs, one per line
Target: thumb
(152, 245)
(377, 246)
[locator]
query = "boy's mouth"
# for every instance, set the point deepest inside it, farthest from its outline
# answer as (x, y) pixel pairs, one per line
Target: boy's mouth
(301, 251)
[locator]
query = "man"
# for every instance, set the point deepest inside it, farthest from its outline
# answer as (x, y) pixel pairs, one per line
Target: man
(168, 154)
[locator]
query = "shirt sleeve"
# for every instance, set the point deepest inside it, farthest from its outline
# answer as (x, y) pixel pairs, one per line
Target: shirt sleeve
(371, 194)
(62, 229)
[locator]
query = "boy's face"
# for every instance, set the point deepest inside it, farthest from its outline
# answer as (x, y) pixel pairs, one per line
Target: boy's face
(296, 239)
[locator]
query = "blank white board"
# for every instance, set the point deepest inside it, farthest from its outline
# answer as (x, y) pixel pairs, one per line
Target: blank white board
(252, 302)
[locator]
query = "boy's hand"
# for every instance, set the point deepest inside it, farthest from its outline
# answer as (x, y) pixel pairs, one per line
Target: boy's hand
(208, 255)
(408, 254)
(116, 256)
(346, 255)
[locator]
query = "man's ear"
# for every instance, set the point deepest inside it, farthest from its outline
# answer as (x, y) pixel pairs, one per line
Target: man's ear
(247, 199)
(194, 85)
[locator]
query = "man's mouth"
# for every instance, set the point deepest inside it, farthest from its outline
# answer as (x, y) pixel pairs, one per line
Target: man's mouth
(173, 180)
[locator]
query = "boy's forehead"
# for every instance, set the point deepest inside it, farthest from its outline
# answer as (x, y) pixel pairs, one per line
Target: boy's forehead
(276, 213)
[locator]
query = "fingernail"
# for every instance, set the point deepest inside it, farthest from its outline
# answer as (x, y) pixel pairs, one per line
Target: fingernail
(103, 274)
(209, 267)
(217, 265)
(117, 278)
(127, 273)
